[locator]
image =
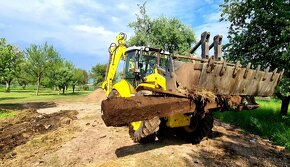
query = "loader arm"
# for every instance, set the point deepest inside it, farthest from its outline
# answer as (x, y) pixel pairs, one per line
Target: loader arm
(116, 52)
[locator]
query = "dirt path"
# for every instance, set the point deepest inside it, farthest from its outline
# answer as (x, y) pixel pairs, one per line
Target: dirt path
(86, 141)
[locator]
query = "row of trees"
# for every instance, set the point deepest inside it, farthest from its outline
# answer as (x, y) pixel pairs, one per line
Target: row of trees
(40, 65)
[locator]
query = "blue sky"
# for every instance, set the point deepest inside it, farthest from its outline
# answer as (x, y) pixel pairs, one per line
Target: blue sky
(81, 30)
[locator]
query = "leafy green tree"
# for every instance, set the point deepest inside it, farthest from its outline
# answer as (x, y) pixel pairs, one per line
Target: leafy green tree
(22, 82)
(64, 76)
(80, 77)
(98, 73)
(259, 33)
(10, 59)
(22, 78)
(49, 79)
(40, 58)
(165, 33)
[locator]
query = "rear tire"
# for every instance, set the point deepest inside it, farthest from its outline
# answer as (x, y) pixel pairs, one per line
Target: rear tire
(146, 132)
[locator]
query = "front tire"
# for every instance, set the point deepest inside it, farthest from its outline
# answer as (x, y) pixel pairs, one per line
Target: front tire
(202, 128)
(145, 131)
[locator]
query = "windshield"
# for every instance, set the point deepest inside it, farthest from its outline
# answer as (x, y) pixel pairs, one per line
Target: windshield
(140, 64)
(149, 61)
(130, 65)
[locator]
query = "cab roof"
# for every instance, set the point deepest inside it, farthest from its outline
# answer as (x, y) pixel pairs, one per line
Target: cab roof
(146, 48)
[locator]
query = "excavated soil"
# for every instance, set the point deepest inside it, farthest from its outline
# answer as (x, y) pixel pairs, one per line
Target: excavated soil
(17, 131)
(88, 142)
(121, 111)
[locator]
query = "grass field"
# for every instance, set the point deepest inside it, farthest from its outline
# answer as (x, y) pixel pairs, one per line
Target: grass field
(18, 95)
(21, 96)
(264, 121)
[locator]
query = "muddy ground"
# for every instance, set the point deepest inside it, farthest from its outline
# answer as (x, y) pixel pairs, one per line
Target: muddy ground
(73, 134)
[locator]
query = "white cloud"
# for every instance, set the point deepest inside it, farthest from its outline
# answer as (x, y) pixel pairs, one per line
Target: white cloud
(87, 27)
(72, 22)
(92, 30)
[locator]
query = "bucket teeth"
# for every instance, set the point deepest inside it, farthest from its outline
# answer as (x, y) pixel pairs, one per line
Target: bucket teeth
(257, 71)
(273, 74)
(236, 69)
(247, 70)
(281, 74)
(224, 68)
(265, 73)
(210, 65)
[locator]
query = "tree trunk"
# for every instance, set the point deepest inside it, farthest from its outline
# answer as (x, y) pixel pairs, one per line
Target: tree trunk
(8, 83)
(285, 103)
(284, 106)
(23, 86)
(73, 88)
(38, 85)
(63, 90)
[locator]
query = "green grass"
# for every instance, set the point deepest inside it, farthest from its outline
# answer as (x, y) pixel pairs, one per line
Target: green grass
(21, 96)
(45, 95)
(264, 121)
(5, 114)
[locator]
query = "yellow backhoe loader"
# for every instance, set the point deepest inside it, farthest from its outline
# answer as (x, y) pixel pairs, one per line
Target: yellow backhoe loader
(161, 91)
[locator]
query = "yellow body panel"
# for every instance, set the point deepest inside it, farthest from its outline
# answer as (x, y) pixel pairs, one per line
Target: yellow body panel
(136, 125)
(154, 80)
(124, 88)
(178, 120)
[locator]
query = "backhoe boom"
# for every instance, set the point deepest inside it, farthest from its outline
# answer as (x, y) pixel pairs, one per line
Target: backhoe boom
(117, 51)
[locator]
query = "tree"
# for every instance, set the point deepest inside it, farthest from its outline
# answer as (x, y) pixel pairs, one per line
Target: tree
(39, 59)
(80, 77)
(64, 75)
(259, 33)
(49, 79)
(10, 59)
(22, 77)
(98, 73)
(165, 33)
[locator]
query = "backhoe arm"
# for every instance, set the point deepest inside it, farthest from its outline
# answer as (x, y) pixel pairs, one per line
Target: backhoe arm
(116, 51)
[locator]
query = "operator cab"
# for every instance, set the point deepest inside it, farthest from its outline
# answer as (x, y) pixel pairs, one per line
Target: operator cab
(141, 61)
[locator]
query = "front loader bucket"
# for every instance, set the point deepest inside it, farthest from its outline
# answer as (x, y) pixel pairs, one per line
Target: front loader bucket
(222, 78)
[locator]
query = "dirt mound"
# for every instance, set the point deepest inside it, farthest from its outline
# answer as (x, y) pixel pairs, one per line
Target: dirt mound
(96, 96)
(17, 131)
